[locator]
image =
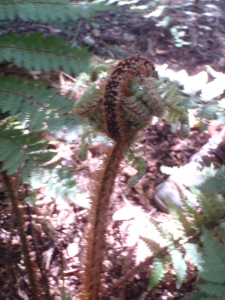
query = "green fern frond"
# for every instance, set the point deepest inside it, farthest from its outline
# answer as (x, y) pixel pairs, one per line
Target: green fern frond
(184, 224)
(35, 52)
(213, 289)
(58, 183)
(173, 107)
(140, 165)
(213, 268)
(195, 254)
(88, 106)
(211, 204)
(157, 273)
(199, 296)
(208, 110)
(35, 105)
(163, 232)
(152, 245)
(179, 266)
(213, 180)
(46, 10)
(22, 150)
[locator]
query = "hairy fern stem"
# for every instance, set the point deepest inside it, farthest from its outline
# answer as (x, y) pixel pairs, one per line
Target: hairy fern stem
(104, 181)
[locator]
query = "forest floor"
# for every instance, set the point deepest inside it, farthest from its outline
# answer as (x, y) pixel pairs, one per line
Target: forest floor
(197, 40)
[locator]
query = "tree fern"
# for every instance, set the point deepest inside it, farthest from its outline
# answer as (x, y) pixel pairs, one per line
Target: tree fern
(35, 52)
(46, 10)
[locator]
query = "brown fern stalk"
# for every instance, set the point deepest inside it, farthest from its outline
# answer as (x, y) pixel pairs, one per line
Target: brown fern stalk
(104, 179)
(9, 184)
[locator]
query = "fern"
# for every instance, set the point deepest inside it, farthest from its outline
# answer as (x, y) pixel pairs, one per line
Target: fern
(157, 273)
(47, 10)
(208, 110)
(19, 149)
(179, 217)
(36, 106)
(212, 272)
(179, 266)
(213, 180)
(58, 183)
(195, 253)
(35, 52)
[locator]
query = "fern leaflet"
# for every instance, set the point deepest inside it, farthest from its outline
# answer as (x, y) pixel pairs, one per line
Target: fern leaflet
(35, 105)
(46, 10)
(22, 150)
(35, 52)
(157, 273)
(179, 265)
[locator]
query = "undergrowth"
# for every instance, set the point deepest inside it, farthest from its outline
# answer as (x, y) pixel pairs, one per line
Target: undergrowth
(197, 235)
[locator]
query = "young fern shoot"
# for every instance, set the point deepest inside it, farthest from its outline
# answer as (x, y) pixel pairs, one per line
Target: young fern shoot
(121, 107)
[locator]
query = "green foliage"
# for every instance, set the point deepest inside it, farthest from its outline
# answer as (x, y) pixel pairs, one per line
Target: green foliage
(58, 183)
(35, 52)
(46, 10)
(35, 105)
(157, 273)
(21, 149)
(179, 266)
(213, 180)
(64, 295)
(190, 222)
(212, 272)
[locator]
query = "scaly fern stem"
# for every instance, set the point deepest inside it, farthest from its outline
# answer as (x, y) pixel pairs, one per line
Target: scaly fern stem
(10, 187)
(104, 182)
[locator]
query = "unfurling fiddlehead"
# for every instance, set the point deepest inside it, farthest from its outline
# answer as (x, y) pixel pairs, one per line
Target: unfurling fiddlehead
(123, 105)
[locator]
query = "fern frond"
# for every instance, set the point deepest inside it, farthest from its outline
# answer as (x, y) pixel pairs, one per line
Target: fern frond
(213, 268)
(19, 149)
(152, 245)
(58, 183)
(35, 105)
(213, 289)
(212, 205)
(46, 10)
(140, 165)
(213, 180)
(208, 110)
(199, 296)
(195, 254)
(157, 273)
(184, 224)
(35, 52)
(179, 266)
